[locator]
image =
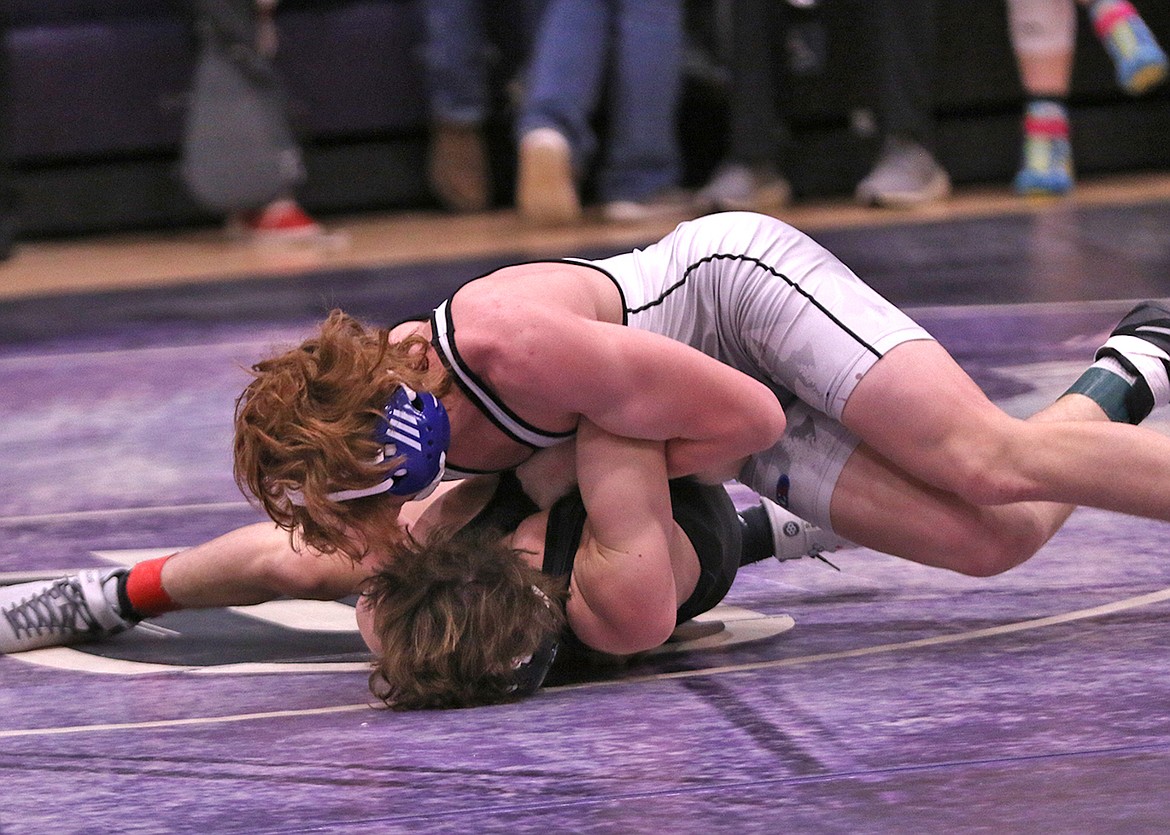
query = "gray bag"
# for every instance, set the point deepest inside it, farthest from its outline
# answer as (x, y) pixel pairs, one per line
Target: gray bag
(238, 150)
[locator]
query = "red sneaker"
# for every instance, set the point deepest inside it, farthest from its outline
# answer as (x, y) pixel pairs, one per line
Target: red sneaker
(280, 221)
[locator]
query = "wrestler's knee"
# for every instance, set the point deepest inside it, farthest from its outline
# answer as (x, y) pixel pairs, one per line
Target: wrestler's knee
(995, 544)
(984, 471)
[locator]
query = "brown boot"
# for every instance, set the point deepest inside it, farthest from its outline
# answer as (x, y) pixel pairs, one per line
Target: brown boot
(546, 192)
(458, 169)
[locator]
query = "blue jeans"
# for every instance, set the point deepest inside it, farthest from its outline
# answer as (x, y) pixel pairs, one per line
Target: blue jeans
(456, 61)
(625, 55)
(460, 53)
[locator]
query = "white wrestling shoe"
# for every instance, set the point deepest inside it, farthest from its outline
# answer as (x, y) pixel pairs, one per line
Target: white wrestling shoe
(794, 538)
(68, 610)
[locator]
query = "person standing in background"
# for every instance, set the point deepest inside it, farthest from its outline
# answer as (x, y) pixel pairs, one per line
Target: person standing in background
(1043, 36)
(905, 45)
(749, 177)
(239, 154)
(7, 189)
(623, 57)
(463, 60)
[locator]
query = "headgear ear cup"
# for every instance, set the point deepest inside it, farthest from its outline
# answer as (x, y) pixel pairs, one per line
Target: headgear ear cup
(530, 672)
(416, 428)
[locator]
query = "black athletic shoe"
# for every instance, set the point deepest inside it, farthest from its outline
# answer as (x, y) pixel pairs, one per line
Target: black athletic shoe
(1149, 321)
(1145, 331)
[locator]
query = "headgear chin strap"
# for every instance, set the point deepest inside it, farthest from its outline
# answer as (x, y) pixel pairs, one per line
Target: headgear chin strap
(414, 427)
(529, 672)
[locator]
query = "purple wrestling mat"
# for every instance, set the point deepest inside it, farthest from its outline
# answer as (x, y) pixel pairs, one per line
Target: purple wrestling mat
(904, 699)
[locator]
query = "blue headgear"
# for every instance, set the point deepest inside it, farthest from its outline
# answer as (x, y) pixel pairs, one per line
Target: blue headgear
(414, 427)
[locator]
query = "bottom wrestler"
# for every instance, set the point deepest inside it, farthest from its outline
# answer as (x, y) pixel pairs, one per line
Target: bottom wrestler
(472, 612)
(608, 609)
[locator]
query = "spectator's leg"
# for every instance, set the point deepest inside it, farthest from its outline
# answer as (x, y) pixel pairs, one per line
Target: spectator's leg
(1138, 59)
(564, 87)
(642, 158)
(905, 34)
(7, 188)
(456, 61)
(749, 177)
(1043, 34)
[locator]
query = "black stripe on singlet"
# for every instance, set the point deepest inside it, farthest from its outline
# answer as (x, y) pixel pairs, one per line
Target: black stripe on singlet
(566, 521)
(510, 505)
(704, 512)
(765, 267)
(468, 382)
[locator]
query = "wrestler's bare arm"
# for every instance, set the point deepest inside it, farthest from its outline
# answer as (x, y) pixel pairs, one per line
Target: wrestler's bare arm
(632, 383)
(255, 564)
(260, 562)
(549, 474)
(623, 595)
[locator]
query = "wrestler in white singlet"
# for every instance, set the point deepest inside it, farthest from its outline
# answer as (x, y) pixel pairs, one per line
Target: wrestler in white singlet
(766, 299)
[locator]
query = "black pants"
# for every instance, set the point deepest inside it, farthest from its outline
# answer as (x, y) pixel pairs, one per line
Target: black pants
(7, 188)
(758, 132)
(904, 37)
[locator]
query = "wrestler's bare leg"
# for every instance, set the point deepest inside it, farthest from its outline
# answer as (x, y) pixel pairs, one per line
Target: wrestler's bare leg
(947, 435)
(883, 507)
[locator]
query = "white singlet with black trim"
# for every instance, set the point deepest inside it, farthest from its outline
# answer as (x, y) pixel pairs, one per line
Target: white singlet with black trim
(762, 297)
(480, 393)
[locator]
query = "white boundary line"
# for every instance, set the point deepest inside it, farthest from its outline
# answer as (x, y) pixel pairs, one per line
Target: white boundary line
(180, 351)
(939, 640)
(115, 512)
(178, 723)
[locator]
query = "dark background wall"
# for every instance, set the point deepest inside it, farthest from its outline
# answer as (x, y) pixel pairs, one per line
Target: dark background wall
(97, 93)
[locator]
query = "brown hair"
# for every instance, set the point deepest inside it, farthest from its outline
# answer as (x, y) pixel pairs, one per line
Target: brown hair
(453, 616)
(306, 423)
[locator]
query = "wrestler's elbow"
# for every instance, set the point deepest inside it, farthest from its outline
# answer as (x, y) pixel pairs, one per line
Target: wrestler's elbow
(755, 426)
(638, 630)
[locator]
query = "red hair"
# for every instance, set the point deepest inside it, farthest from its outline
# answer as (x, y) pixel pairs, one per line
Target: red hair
(306, 423)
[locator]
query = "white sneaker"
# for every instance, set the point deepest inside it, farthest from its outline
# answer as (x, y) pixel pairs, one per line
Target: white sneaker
(904, 176)
(546, 190)
(671, 203)
(743, 188)
(794, 538)
(69, 610)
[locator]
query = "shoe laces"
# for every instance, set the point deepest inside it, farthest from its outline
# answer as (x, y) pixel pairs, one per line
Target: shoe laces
(60, 608)
(817, 555)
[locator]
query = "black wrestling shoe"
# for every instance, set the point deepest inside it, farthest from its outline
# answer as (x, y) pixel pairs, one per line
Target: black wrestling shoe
(1145, 331)
(1149, 321)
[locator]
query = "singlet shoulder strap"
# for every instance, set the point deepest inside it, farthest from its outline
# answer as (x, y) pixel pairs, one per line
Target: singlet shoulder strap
(479, 392)
(566, 521)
